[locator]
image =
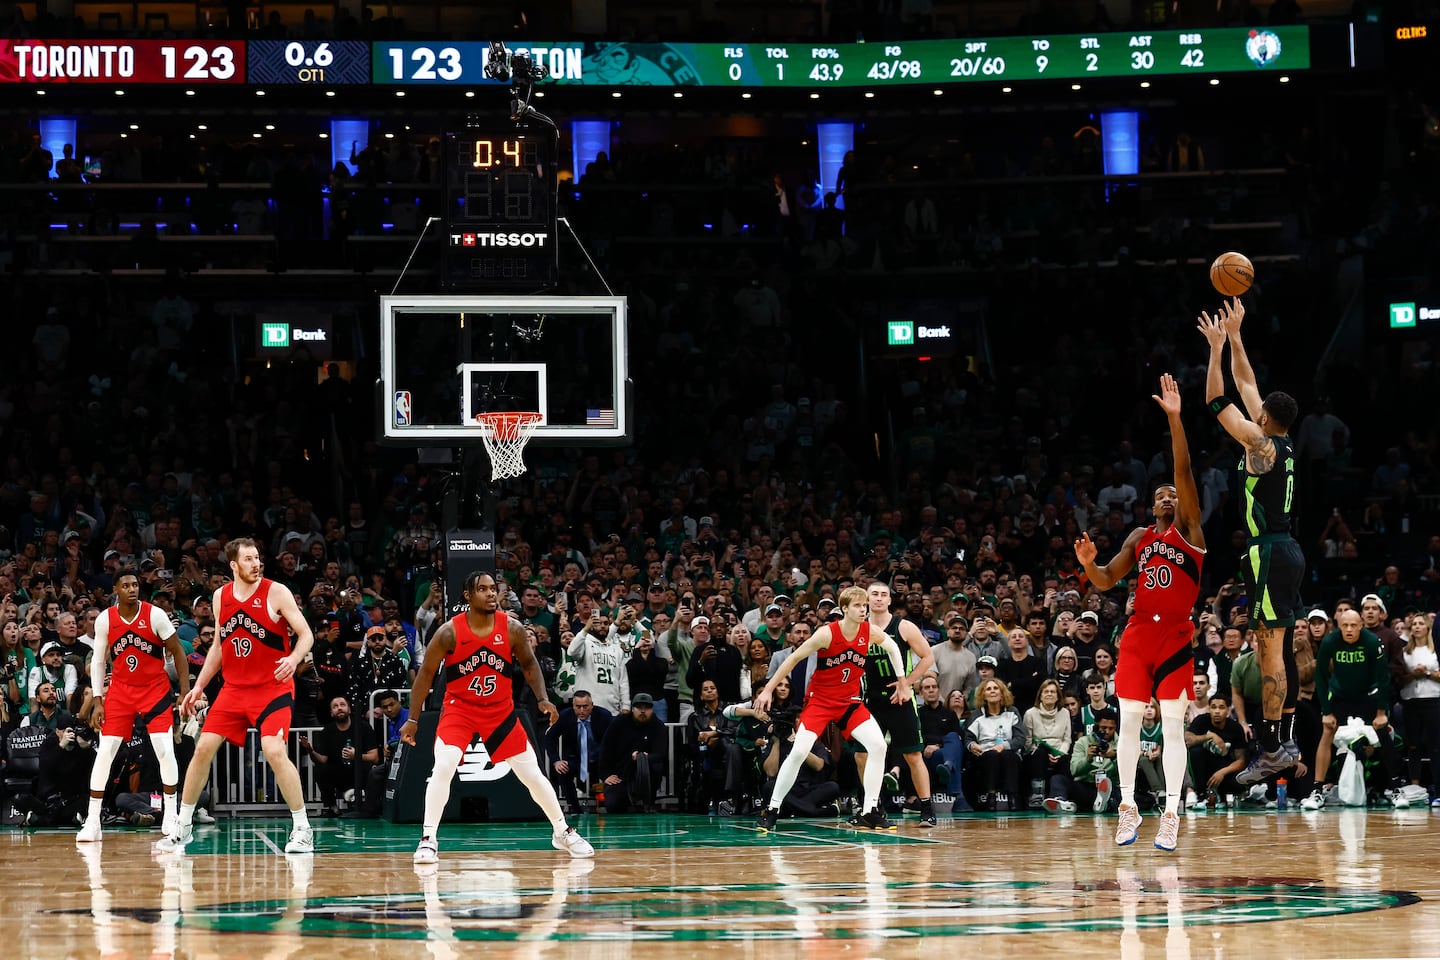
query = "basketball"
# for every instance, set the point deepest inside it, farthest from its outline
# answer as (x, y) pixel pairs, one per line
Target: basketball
(1232, 273)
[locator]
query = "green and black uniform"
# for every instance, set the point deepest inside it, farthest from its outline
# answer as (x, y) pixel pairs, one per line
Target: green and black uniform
(1273, 566)
(1353, 680)
(899, 721)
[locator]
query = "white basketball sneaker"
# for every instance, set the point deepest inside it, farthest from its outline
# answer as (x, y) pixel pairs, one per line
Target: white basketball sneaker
(572, 843)
(90, 833)
(428, 851)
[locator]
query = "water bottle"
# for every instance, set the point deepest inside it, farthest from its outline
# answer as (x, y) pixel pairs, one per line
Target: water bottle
(1282, 795)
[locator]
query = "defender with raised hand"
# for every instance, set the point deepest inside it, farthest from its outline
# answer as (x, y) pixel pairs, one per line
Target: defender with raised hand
(1155, 654)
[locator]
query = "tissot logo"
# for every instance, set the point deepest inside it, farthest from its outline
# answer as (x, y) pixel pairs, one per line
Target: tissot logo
(492, 239)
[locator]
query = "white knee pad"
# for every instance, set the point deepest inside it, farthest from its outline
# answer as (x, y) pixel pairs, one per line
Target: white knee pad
(104, 759)
(447, 761)
(164, 747)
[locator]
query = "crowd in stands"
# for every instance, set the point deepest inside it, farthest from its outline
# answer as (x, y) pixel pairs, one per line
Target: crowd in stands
(768, 471)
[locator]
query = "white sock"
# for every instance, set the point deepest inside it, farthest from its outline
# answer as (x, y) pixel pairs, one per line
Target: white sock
(437, 791)
(94, 815)
(1127, 747)
(187, 814)
(300, 819)
(790, 769)
(1173, 757)
(168, 805)
(870, 736)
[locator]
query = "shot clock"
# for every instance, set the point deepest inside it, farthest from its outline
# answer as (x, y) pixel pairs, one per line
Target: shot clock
(500, 208)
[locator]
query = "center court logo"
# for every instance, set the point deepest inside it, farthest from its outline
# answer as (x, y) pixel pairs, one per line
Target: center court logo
(841, 909)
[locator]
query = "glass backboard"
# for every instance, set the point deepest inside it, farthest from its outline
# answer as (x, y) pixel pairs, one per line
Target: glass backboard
(445, 359)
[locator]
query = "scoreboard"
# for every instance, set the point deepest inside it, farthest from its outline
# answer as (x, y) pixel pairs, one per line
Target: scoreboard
(640, 64)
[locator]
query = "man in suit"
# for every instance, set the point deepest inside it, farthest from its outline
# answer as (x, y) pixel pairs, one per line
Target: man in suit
(799, 632)
(581, 722)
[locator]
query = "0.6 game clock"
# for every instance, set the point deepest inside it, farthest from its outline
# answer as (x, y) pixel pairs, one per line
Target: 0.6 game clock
(340, 62)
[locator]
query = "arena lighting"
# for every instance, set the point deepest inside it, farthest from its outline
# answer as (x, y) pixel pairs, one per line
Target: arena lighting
(134, 126)
(1074, 86)
(39, 93)
(329, 93)
(869, 94)
(1007, 89)
(1120, 142)
(615, 94)
(938, 92)
(814, 96)
(55, 132)
(1214, 81)
(835, 139)
(259, 93)
(189, 93)
(1284, 79)
(119, 93)
(324, 136)
(539, 93)
(399, 93)
(588, 139)
(269, 126)
(1144, 84)
(343, 132)
(746, 95)
(470, 94)
(201, 126)
(678, 94)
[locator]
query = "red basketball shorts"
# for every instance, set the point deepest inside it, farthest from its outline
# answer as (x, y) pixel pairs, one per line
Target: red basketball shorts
(1156, 659)
(151, 702)
(848, 714)
(237, 709)
(496, 725)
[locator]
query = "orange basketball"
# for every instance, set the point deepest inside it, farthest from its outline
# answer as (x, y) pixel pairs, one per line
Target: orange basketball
(1232, 273)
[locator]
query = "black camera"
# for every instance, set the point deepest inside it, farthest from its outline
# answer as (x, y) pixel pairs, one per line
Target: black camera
(783, 720)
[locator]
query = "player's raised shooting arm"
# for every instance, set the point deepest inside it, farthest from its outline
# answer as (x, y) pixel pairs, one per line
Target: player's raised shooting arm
(1231, 315)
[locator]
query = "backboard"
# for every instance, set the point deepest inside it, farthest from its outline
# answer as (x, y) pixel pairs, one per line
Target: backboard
(444, 359)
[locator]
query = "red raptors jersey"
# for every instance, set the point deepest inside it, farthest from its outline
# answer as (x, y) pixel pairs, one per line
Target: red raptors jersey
(1169, 568)
(479, 670)
(136, 650)
(840, 666)
(250, 638)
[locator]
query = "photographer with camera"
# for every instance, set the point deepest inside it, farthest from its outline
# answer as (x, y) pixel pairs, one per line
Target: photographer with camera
(65, 759)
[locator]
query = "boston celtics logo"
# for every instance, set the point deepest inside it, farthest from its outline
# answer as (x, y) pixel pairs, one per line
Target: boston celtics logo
(1262, 47)
(491, 905)
(637, 64)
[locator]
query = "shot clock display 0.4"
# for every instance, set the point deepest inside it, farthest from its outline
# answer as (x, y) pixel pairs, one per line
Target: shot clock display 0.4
(500, 223)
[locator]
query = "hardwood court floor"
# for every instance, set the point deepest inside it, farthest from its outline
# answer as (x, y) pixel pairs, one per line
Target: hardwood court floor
(1242, 885)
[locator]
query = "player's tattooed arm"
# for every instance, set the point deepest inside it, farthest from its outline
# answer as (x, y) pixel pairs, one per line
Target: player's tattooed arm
(1259, 455)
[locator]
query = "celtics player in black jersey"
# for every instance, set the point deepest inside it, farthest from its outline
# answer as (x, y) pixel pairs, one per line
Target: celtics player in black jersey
(900, 721)
(1273, 565)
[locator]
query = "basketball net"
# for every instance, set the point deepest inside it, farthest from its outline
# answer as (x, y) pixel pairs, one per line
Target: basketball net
(505, 435)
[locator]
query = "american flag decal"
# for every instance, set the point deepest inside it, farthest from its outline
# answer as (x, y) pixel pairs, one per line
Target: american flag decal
(604, 417)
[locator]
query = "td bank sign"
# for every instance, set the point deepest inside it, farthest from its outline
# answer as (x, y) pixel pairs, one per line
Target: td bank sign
(279, 336)
(908, 333)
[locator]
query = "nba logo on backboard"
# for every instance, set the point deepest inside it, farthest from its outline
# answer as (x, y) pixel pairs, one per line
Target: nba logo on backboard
(402, 408)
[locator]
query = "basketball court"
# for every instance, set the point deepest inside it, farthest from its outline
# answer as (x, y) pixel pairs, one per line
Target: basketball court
(1327, 884)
